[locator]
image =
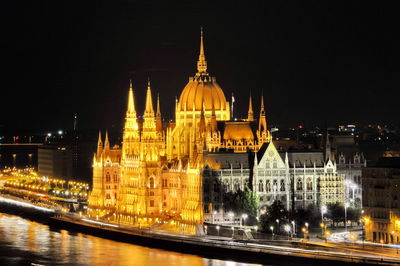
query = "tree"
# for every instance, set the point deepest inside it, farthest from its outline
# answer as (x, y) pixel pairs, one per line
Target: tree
(354, 214)
(242, 202)
(275, 211)
(335, 213)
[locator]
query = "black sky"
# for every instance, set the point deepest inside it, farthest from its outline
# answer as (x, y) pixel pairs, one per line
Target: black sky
(316, 62)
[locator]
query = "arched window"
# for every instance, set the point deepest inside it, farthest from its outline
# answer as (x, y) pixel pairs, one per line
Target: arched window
(299, 184)
(268, 186)
(216, 187)
(309, 184)
(206, 186)
(282, 188)
(275, 164)
(108, 177)
(237, 186)
(261, 186)
(275, 185)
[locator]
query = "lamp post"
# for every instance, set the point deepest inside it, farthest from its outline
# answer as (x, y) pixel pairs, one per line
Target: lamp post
(287, 229)
(323, 211)
(306, 224)
(277, 228)
(272, 232)
(233, 231)
(294, 227)
(244, 216)
(217, 227)
(346, 205)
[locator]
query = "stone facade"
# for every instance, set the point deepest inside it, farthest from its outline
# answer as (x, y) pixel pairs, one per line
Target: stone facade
(381, 201)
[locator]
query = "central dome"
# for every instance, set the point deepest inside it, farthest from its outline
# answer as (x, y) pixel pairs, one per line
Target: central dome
(202, 90)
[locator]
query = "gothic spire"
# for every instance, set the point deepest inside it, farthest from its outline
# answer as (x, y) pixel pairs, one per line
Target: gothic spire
(99, 144)
(158, 115)
(213, 122)
(131, 112)
(158, 112)
(262, 109)
(149, 110)
(202, 123)
(201, 63)
(250, 114)
(106, 142)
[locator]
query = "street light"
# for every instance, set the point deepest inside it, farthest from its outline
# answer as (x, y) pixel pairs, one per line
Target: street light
(346, 205)
(217, 227)
(277, 228)
(287, 229)
(233, 231)
(323, 210)
(294, 227)
(244, 216)
(272, 231)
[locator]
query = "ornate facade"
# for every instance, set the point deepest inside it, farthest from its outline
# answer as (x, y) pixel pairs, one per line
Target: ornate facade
(159, 169)
(296, 178)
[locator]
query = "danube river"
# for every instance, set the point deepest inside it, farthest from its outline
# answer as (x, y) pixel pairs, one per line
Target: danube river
(23, 242)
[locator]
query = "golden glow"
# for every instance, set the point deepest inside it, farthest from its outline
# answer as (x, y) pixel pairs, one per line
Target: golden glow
(158, 182)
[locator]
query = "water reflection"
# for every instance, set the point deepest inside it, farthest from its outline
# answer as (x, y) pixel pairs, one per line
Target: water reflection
(25, 242)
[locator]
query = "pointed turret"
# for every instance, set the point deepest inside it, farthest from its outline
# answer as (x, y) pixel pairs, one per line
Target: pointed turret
(213, 122)
(99, 144)
(328, 151)
(262, 126)
(250, 114)
(106, 142)
(202, 123)
(158, 112)
(131, 111)
(158, 115)
(149, 110)
(201, 63)
(262, 133)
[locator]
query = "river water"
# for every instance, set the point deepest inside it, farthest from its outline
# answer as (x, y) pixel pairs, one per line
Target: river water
(24, 242)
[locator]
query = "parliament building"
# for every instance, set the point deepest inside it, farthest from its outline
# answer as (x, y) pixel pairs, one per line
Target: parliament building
(166, 177)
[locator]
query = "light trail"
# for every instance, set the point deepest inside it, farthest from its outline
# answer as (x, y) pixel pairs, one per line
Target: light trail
(25, 204)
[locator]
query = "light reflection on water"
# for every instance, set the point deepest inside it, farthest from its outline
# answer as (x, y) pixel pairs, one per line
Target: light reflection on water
(24, 242)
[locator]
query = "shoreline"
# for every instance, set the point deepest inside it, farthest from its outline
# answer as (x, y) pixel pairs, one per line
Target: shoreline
(239, 251)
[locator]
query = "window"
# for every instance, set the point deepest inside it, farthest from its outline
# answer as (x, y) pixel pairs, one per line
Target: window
(108, 177)
(151, 182)
(299, 184)
(309, 184)
(237, 186)
(261, 186)
(206, 186)
(216, 188)
(151, 203)
(282, 185)
(268, 186)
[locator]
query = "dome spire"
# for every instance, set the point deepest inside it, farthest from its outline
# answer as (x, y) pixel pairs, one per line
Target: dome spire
(201, 63)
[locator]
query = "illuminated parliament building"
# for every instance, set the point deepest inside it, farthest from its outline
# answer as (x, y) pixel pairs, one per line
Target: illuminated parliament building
(166, 177)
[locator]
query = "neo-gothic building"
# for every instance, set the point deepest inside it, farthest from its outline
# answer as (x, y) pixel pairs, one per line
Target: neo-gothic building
(296, 178)
(155, 178)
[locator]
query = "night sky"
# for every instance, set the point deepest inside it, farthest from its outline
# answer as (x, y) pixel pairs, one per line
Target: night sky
(317, 63)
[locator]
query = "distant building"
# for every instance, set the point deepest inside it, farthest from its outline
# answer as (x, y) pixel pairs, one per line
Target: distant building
(381, 201)
(55, 161)
(349, 161)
